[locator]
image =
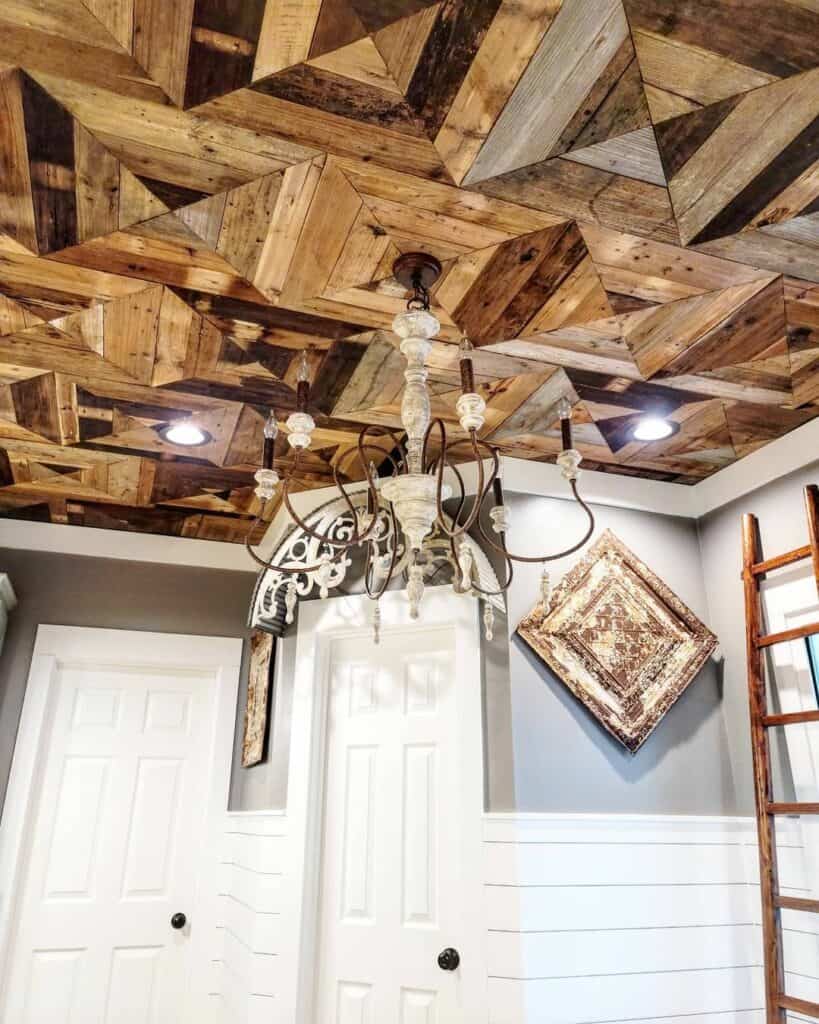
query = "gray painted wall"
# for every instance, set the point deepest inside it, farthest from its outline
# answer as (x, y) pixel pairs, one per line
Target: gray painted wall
(77, 591)
(780, 509)
(564, 761)
(545, 752)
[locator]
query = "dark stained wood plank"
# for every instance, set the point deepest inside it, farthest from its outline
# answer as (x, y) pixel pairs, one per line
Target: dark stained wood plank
(455, 38)
(343, 97)
(588, 194)
(50, 136)
(517, 282)
(375, 14)
(16, 207)
(680, 137)
(338, 25)
(36, 407)
(224, 35)
(778, 39)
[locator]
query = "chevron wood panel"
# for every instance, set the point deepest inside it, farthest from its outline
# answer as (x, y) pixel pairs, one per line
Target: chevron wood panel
(624, 195)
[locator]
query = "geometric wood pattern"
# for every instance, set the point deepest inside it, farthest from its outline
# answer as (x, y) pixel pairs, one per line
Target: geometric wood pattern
(624, 195)
(619, 639)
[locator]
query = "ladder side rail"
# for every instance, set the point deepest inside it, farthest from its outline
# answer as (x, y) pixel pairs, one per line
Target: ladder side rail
(812, 509)
(763, 786)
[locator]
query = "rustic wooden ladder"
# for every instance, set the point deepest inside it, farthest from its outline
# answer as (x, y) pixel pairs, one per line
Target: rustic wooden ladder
(773, 902)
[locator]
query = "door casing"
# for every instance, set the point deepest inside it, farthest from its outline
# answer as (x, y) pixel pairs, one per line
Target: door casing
(216, 658)
(321, 622)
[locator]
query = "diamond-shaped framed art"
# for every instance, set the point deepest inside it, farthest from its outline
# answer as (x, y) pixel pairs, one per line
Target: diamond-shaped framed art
(619, 639)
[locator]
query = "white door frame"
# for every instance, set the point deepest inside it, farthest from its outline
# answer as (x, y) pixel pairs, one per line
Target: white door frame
(218, 658)
(321, 622)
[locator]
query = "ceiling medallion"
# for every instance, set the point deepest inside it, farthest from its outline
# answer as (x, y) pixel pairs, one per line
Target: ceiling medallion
(408, 503)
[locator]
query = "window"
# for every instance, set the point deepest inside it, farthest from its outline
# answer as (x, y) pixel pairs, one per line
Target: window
(813, 658)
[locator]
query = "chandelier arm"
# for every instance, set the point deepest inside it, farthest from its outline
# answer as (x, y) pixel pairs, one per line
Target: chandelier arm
(360, 451)
(483, 486)
(441, 463)
(365, 536)
(462, 487)
(559, 554)
(338, 545)
(509, 564)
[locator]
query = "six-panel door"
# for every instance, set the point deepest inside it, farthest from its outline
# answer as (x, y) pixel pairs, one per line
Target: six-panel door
(390, 891)
(114, 850)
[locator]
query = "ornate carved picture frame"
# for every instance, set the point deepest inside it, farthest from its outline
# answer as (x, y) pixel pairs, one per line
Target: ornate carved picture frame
(621, 641)
(258, 698)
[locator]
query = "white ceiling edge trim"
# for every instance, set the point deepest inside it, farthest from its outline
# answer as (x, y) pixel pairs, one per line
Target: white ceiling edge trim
(778, 458)
(785, 455)
(89, 541)
(546, 479)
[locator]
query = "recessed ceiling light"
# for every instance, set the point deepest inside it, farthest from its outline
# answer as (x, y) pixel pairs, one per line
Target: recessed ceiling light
(654, 428)
(186, 434)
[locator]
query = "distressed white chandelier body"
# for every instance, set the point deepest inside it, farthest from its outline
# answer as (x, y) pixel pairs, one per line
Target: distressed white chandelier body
(403, 525)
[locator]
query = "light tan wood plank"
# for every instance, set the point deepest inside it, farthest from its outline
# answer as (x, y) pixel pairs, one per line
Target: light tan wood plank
(576, 50)
(287, 30)
(512, 40)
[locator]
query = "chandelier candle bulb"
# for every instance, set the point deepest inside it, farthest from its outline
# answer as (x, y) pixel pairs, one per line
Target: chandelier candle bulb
(467, 367)
(564, 411)
(303, 383)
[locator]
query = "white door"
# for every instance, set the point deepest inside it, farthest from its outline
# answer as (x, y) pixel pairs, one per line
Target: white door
(114, 844)
(392, 888)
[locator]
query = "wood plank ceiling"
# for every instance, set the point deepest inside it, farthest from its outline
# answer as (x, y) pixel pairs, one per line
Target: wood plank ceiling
(624, 195)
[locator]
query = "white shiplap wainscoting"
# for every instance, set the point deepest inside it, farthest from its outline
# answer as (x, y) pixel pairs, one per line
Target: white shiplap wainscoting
(592, 919)
(619, 918)
(248, 943)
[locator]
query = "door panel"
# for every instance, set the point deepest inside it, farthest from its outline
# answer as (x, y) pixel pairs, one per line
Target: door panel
(114, 850)
(390, 890)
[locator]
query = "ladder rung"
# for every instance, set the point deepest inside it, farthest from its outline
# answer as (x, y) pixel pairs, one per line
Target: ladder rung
(781, 560)
(781, 808)
(799, 1005)
(791, 718)
(787, 634)
(797, 903)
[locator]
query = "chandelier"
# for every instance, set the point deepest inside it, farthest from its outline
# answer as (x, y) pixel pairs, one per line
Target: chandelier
(401, 523)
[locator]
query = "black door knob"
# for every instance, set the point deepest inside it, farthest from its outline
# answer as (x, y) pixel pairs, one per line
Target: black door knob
(178, 921)
(449, 959)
